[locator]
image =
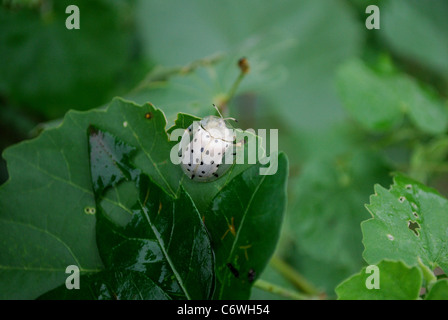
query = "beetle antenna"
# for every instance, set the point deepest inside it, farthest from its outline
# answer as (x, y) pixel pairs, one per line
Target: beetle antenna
(230, 119)
(217, 109)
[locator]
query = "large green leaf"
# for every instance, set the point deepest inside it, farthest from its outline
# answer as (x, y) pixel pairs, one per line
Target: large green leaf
(409, 222)
(157, 239)
(396, 282)
(51, 172)
(60, 228)
(244, 221)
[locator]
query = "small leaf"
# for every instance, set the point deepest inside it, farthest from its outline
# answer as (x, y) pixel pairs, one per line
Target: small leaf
(409, 222)
(396, 282)
(439, 291)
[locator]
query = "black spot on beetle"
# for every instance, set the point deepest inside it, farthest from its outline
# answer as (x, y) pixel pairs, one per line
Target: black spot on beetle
(212, 162)
(202, 163)
(216, 175)
(202, 149)
(234, 270)
(203, 171)
(192, 177)
(207, 152)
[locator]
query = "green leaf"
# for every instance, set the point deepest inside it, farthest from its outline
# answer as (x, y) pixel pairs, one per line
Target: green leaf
(109, 160)
(283, 44)
(164, 239)
(157, 239)
(60, 228)
(379, 101)
(371, 100)
(418, 32)
(183, 121)
(439, 291)
(397, 281)
(244, 222)
(328, 199)
(52, 173)
(426, 112)
(409, 222)
(110, 285)
(51, 69)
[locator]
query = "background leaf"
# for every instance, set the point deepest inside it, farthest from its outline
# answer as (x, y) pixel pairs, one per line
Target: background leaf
(378, 102)
(327, 200)
(397, 282)
(290, 44)
(424, 40)
(51, 69)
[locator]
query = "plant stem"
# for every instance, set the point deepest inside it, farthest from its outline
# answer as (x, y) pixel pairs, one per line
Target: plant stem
(244, 69)
(160, 73)
(283, 292)
(294, 277)
(235, 86)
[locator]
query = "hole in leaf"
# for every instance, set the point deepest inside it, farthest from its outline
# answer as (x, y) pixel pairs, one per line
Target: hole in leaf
(413, 226)
(390, 237)
(401, 199)
(89, 210)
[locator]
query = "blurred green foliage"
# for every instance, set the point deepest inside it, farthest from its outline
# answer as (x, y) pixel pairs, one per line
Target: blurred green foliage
(351, 105)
